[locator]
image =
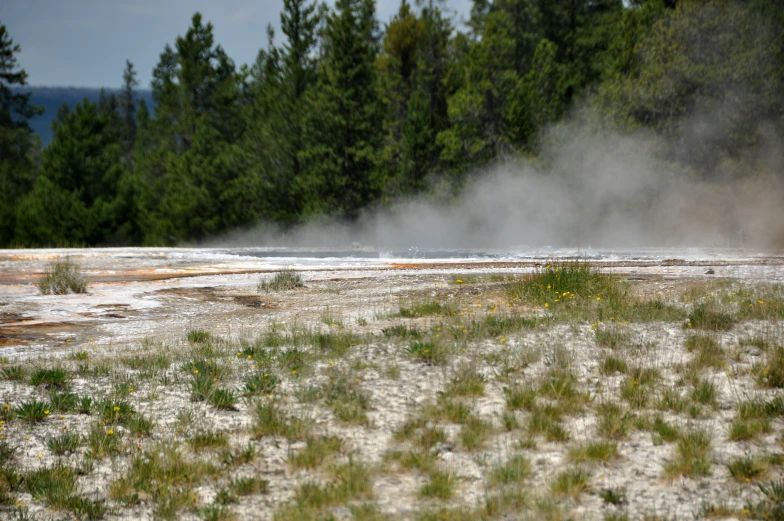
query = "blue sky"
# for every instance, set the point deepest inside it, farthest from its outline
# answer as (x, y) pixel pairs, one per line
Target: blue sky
(86, 42)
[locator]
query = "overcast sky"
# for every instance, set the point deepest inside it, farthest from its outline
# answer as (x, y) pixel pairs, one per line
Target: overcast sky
(86, 42)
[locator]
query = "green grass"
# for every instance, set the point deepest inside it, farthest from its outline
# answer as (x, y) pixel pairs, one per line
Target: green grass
(705, 393)
(284, 280)
(335, 343)
(706, 316)
(748, 469)
(163, 476)
(425, 308)
(707, 352)
(440, 486)
(61, 278)
(270, 420)
(547, 420)
(403, 332)
(259, 384)
(612, 421)
(346, 398)
(57, 377)
(33, 411)
(555, 279)
(317, 449)
(13, 373)
(223, 399)
(771, 373)
(207, 440)
(570, 483)
(199, 336)
(611, 337)
(638, 386)
(103, 442)
(64, 443)
(62, 402)
(474, 433)
(692, 455)
(514, 472)
(612, 365)
(349, 483)
(467, 381)
(596, 451)
(55, 485)
(431, 351)
(752, 419)
(520, 396)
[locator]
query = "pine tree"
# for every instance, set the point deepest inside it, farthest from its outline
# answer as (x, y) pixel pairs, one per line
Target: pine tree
(189, 160)
(282, 81)
(344, 127)
(75, 199)
(17, 145)
(128, 106)
(479, 111)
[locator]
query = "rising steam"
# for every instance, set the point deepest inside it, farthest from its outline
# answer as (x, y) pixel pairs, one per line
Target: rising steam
(597, 190)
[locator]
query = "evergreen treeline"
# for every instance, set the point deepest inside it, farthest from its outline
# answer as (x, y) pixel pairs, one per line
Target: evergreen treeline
(345, 114)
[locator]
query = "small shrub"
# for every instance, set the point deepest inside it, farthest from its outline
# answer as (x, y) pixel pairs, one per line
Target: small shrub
(284, 280)
(61, 278)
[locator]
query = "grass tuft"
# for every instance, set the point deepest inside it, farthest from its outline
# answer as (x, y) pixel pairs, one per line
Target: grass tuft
(284, 280)
(692, 456)
(61, 278)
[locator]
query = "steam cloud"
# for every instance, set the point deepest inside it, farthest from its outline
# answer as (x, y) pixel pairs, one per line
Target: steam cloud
(597, 191)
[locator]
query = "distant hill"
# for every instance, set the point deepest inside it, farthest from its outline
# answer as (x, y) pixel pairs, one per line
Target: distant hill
(50, 98)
